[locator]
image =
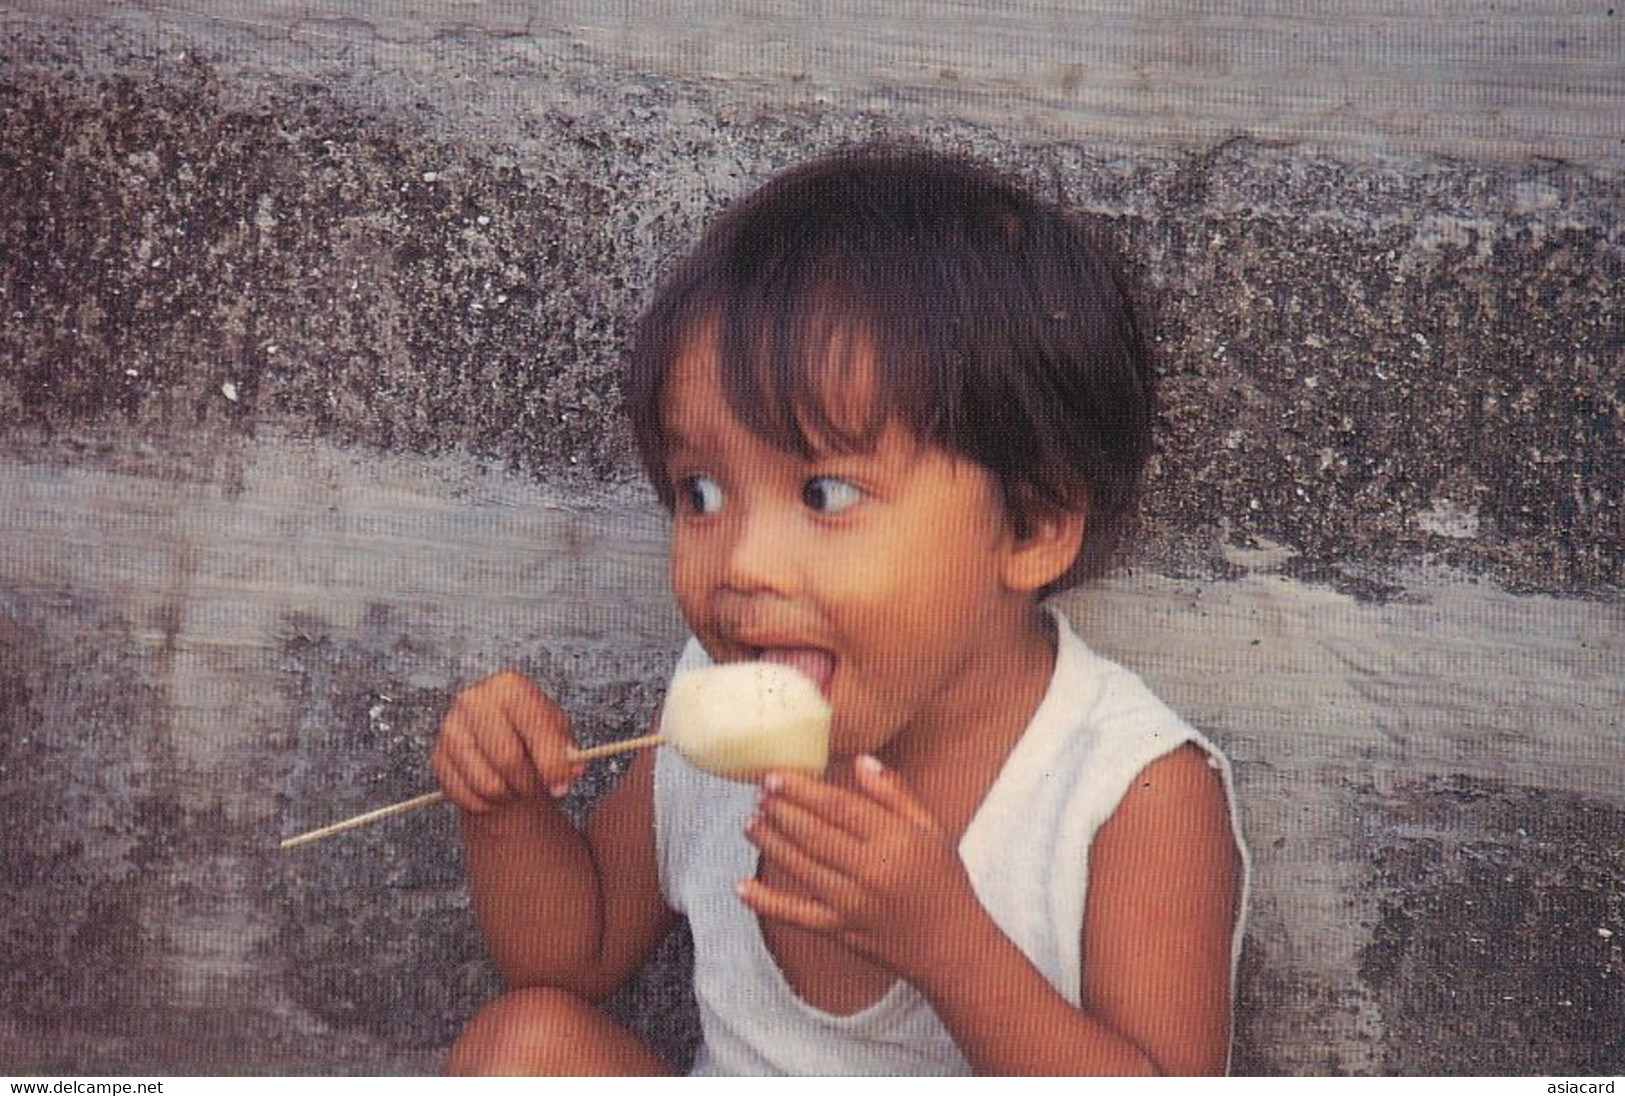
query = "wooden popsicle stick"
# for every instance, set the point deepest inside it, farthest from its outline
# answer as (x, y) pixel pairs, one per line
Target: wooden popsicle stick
(362, 819)
(608, 749)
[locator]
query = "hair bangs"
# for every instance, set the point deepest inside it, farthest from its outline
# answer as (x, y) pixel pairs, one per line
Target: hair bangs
(802, 362)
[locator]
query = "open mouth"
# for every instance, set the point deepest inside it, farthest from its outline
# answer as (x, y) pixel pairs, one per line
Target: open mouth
(815, 662)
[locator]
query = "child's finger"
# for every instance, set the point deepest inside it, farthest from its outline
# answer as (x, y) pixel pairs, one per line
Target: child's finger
(451, 774)
(463, 755)
(505, 753)
(798, 860)
(855, 815)
(888, 789)
(813, 835)
(483, 742)
(792, 909)
(457, 789)
(540, 725)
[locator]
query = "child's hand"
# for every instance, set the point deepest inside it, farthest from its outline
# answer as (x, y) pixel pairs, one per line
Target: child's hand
(871, 868)
(502, 741)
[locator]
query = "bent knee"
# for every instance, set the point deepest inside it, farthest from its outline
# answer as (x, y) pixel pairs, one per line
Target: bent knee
(541, 1031)
(515, 1035)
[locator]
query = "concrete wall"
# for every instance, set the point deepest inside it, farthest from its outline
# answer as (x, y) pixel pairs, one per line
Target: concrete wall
(310, 318)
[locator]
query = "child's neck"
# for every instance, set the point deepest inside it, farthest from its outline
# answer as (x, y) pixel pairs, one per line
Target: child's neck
(953, 753)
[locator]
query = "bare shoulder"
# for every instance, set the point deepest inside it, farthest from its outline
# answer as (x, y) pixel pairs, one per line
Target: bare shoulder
(1182, 789)
(1171, 840)
(1164, 897)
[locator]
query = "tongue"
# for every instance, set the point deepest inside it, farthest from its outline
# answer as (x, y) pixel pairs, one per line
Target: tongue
(816, 664)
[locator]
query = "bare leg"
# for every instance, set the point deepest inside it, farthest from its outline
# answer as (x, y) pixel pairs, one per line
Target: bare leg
(543, 1032)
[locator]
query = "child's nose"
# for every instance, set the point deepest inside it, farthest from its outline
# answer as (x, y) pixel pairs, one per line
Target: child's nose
(760, 555)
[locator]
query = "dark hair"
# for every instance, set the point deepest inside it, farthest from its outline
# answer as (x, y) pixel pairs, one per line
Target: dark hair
(997, 328)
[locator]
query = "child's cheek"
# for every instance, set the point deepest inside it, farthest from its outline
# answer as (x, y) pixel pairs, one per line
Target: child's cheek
(687, 571)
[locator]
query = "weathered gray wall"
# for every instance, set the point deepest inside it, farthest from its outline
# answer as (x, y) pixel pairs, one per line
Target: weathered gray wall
(309, 325)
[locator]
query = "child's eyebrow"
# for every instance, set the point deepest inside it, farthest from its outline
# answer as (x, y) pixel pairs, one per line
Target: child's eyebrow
(685, 443)
(677, 440)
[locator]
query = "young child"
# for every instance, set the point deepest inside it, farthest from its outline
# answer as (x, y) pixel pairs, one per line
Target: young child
(892, 402)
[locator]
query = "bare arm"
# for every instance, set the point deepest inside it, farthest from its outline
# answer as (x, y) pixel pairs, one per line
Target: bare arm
(1164, 880)
(558, 906)
(1164, 891)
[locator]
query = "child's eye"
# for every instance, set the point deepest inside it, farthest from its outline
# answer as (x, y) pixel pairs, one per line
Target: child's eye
(829, 495)
(702, 494)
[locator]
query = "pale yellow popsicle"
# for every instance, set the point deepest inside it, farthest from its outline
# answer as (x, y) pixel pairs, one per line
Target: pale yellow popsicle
(740, 720)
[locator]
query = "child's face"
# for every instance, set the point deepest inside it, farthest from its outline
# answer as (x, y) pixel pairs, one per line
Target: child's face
(884, 575)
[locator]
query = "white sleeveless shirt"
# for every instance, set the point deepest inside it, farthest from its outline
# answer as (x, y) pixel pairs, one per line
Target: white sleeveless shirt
(1026, 851)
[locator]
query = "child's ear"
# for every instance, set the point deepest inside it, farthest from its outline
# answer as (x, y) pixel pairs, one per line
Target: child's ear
(1046, 548)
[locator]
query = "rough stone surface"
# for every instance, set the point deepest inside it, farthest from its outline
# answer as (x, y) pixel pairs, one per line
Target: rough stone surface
(1520, 887)
(310, 330)
(1366, 362)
